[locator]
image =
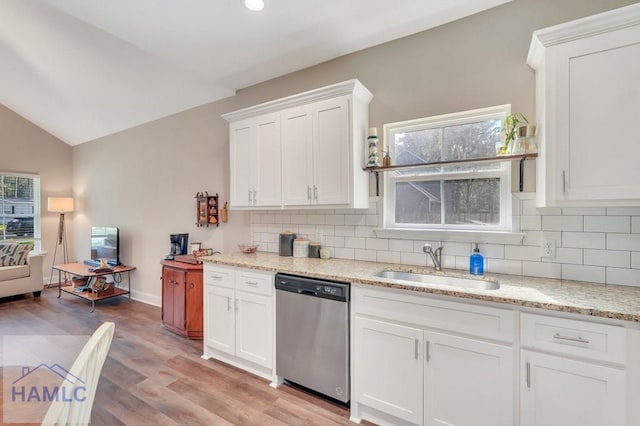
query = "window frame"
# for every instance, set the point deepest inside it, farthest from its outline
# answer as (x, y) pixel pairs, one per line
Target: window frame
(37, 238)
(503, 172)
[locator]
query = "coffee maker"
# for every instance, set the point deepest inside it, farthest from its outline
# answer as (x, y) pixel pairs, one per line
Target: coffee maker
(178, 245)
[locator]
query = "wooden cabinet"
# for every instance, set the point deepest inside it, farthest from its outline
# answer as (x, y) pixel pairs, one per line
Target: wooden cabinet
(207, 209)
(306, 149)
(239, 318)
(405, 369)
(588, 97)
(182, 298)
(255, 161)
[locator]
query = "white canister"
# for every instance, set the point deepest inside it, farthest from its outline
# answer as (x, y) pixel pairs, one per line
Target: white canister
(300, 248)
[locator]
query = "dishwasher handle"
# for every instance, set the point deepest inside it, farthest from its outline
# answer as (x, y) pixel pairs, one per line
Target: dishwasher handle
(309, 292)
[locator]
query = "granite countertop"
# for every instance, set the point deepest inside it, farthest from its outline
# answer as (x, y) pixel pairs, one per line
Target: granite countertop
(598, 300)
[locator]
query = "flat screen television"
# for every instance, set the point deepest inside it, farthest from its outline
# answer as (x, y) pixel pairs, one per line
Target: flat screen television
(105, 244)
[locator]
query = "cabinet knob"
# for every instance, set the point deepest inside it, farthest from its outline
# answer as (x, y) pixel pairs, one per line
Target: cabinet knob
(191, 285)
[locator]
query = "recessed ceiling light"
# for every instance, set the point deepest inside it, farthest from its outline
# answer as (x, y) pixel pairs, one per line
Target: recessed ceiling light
(255, 5)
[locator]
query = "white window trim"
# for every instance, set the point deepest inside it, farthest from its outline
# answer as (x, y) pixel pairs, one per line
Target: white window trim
(501, 233)
(37, 210)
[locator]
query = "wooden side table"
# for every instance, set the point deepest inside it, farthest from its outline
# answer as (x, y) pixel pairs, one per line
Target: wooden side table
(81, 270)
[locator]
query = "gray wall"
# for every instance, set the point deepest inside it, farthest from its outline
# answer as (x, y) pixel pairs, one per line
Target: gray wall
(26, 148)
(144, 179)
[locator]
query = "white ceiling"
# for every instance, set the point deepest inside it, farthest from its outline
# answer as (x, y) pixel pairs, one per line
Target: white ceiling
(83, 69)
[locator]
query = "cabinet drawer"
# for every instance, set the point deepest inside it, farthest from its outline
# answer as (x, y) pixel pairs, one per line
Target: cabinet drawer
(466, 318)
(579, 338)
(218, 275)
(255, 282)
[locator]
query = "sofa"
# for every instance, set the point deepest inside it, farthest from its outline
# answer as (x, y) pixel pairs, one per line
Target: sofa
(21, 277)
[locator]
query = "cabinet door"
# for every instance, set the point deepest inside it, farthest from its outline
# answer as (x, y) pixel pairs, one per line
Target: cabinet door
(599, 100)
(297, 163)
(331, 151)
(560, 391)
(194, 303)
(173, 298)
(467, 382)
(388, 368)
(254, 328)
(220, 319)
(243, 162)
(268, 171)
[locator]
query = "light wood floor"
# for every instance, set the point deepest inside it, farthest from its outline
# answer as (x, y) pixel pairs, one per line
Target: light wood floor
(153, 376)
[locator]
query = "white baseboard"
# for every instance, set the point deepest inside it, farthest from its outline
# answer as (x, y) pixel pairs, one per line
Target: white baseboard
(148, 298)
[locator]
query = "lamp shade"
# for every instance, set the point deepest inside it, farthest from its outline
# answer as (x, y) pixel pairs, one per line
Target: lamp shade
(60, 204)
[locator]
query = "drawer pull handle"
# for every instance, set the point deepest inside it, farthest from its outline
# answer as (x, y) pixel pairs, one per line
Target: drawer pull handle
(216, 277)
(570, 338)
(251, 283)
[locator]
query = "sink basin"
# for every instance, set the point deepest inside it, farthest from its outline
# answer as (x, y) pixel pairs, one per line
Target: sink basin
(439, 280)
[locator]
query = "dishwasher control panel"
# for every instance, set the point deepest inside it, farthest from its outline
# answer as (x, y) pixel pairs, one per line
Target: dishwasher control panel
(334, 290)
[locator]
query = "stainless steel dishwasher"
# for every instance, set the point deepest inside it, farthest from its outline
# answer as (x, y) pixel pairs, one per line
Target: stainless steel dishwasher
(312, 334)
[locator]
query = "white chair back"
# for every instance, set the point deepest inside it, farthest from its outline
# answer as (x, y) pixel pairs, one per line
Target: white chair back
(87, 367)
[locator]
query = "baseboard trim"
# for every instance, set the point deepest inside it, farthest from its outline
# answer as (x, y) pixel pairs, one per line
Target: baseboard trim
(148, 298)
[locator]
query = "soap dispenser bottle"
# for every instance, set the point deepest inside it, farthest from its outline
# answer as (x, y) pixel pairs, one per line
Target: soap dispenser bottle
(476, 262)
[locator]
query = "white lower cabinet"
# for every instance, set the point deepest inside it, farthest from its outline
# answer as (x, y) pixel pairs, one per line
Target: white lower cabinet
(573, 372)
(254, 328)
(557, 390)
(408, 373)
(467, 381)
(239, 318)
(388, 369)
(220, 319)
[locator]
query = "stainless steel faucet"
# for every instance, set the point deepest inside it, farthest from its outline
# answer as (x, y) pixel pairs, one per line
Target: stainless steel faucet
(436, 255)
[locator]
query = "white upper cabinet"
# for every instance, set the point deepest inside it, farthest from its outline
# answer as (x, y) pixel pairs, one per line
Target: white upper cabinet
(588, 99)
(303, 150)
(255, 161)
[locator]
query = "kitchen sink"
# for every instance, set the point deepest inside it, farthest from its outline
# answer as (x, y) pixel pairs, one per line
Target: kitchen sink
(429, 279)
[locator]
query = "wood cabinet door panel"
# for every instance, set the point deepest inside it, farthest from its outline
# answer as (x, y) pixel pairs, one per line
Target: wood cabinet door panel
(194, 303)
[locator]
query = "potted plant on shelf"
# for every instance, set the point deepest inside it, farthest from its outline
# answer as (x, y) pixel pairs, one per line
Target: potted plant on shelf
(510, 129)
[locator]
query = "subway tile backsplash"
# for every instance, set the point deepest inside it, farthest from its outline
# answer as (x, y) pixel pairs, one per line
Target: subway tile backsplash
(592, 244)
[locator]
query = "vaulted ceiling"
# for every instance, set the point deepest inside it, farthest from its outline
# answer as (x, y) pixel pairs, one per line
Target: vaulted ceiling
(83, 69)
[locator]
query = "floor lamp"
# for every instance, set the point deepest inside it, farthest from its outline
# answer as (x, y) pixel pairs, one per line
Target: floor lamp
(60, 205)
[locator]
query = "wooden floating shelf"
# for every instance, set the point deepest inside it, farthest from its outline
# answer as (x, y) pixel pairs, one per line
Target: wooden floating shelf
(499, 158)
(470, 161)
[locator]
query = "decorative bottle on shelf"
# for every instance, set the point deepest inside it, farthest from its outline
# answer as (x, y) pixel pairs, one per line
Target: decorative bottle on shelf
(476, 262)
(372, 143)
